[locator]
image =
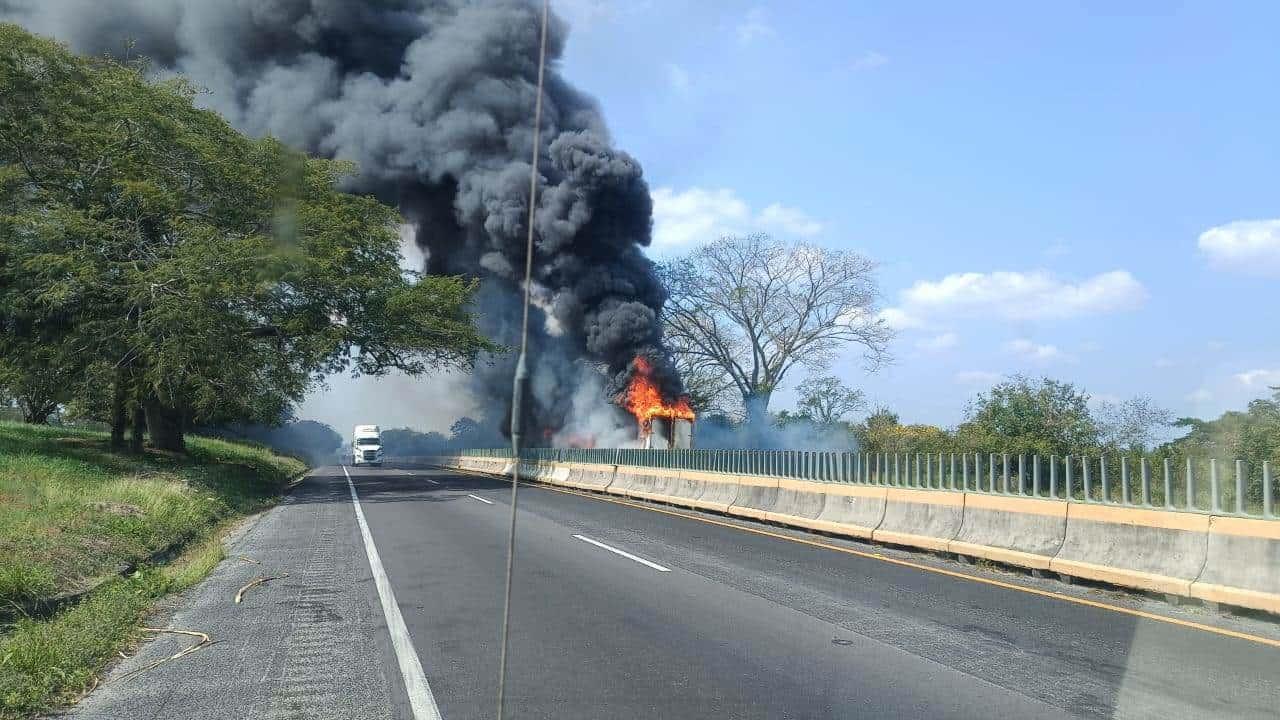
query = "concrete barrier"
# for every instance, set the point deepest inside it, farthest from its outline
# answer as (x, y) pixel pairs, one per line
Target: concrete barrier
(635, 481)
(926, 519)
(685, 491)
(489, 465)
(797, 502)
(589, 477)
(1242, 564)
(756, 496)
(707, 490)
(1156, 550)
(1021, 531)
(852, 510)
(651, 483)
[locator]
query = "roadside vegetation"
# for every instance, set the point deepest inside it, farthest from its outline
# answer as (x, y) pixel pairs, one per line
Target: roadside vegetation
(90, 537)
(162, 272)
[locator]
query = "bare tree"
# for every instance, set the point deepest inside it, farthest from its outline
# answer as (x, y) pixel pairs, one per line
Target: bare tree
(827, 400)
(709, 389)
(752, 308)
(1133, 424)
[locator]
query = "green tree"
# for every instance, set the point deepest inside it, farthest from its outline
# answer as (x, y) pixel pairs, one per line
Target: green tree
(827, 400)
(881, 431)
(1019, 415)
(217, 277)
(1252, 435)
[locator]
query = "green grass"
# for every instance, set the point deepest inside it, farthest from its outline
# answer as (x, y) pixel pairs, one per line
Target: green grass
(72, 511)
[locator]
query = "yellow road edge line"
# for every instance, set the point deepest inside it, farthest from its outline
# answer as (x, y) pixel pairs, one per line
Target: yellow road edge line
(941, 571)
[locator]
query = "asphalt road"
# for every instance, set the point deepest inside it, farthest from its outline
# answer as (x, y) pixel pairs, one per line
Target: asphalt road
(624, 612)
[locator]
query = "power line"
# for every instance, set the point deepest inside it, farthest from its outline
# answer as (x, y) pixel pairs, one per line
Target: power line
(522, 368)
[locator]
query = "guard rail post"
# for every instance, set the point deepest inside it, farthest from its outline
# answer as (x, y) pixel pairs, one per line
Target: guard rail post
(1240, 487)
(1216, 500)
(1146, 483)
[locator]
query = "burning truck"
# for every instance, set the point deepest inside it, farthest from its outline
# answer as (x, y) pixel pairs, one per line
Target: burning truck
(661, 425)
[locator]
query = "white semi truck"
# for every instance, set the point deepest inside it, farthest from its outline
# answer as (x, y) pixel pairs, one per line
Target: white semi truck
(366, 445)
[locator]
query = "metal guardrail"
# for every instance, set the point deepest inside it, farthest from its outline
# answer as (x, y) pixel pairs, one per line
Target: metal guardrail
(1183, 484)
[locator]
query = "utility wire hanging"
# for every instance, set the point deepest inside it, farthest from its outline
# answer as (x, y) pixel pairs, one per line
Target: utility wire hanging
(522, 368)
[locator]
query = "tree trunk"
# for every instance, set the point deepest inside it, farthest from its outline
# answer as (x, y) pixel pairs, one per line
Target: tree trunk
(139, 427)
(164, 424)
(36, 412)
(119, 416)
(758, 426)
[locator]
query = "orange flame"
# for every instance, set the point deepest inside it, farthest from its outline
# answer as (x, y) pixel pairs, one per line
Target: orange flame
(643, 400)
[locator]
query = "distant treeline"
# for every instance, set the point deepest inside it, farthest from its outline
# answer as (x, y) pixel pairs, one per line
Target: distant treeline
(1021, 415)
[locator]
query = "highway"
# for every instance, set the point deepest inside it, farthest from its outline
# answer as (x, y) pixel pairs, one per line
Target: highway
(622, 611)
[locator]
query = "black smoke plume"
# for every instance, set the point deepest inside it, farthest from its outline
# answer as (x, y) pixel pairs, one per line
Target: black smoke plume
(433, 99)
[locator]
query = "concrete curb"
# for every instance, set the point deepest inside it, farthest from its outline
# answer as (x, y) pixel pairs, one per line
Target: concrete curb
(757, 496)
(1147, 549)
(928, 519)
(798, 502)
(1022, 531)
(1242, 564)
(715, 491)
(852, 510)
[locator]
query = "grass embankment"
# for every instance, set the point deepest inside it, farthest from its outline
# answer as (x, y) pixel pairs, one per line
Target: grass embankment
(73, 512)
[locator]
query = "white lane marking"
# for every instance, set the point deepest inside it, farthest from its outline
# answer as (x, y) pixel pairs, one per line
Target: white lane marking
(477, 497)
(433, 482)
(421, 701)
(623, 553)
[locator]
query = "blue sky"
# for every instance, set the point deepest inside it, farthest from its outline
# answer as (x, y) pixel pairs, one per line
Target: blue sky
(1077, 191)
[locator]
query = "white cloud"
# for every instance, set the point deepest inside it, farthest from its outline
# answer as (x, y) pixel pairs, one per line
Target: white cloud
(1032, 295)
(978, 377)
(899, 319)
(1164, 362)
(1261, 377)
(678, 79)
(789, 220)
(938, 343)
(1029, 350)
(869, 60)
(754, 26)
(1251, 246)
(1200, 396)
(699, 215)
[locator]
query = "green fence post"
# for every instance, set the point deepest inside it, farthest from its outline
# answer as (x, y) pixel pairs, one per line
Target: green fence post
(1106, 486)
(1239, 487)
(1125, 495)
(1191, 486)
(1214, 489)
(1084, 469)
(1168, 484)
(1266, 489)
(1066, 466)
(1145, 469)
